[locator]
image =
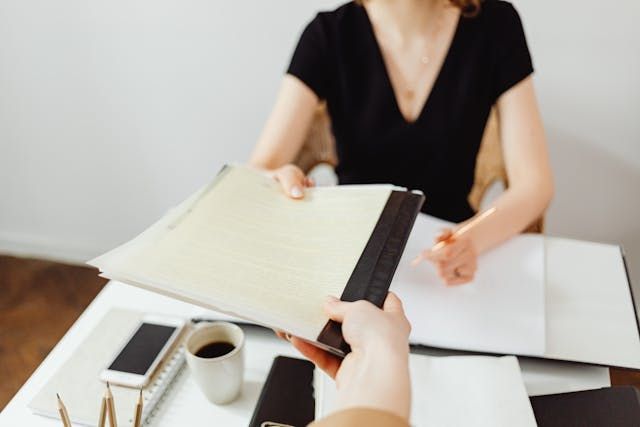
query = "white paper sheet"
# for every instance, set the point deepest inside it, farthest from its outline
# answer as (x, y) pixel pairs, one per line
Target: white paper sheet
(552, 377)
(501, 311)
(457, 391)
(542, 376)
(243, 247)
(590, 311)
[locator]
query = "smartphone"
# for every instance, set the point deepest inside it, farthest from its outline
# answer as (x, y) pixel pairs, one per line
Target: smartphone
(135, 362)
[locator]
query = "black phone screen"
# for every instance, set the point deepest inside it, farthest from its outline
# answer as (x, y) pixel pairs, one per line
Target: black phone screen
(142, 349)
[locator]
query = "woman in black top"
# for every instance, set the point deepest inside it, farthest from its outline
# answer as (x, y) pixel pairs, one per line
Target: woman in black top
(409, 85)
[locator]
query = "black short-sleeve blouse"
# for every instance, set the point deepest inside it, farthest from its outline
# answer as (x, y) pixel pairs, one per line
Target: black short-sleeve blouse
(339, 59)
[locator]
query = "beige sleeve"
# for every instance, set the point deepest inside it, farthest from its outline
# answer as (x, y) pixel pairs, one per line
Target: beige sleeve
(361, 417)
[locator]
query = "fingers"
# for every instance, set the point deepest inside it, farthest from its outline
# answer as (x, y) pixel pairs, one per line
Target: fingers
(281, 334)
(455, 272)
(444, 235)
(456, 262)
(462, 271)
(451, 250)
(292, 180)
(336, 309)
(445, 247)
(457, 277)
(464, 262)
(461, 280)
(309, 182)
(323, 360)
(392, 304)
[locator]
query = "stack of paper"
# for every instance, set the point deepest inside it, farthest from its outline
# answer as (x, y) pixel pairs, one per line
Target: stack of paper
(243, 247)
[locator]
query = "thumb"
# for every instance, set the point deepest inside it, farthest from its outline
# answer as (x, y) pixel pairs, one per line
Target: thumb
(292, 180)
(335, 308)
(392, 304)
(445, 234)
(437, 252)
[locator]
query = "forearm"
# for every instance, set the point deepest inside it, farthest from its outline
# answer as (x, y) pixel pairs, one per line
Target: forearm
(527, 165)
(286, 127)
(382, 382)
(361, 417)
(516, 209)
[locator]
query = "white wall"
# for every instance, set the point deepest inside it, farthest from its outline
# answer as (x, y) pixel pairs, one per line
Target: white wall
(112, 111)
(587, 60)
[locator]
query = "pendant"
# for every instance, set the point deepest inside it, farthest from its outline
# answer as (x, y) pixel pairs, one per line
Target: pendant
(425, 60)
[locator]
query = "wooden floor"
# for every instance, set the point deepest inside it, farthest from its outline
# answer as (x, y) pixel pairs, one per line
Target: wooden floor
(40, 300)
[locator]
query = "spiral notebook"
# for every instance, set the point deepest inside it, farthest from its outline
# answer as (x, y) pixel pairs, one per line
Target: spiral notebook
(77, 381)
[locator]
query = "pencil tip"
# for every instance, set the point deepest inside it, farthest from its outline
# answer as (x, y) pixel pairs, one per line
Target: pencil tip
(58, 396)
(108, 385)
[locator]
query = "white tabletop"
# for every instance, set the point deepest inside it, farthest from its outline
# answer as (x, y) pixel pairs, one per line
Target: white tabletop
(541, 377)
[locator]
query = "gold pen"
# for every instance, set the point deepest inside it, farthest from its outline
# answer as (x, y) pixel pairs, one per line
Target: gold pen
(111, 408)
(459, 232)
(103, 410)
(137, 420)
(66, 422)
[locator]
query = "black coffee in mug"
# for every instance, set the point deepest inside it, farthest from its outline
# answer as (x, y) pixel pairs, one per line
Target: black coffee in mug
(215, 349)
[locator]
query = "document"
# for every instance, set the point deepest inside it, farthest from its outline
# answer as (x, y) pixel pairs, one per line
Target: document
(243, 247)
(457, 391)
(501, 311)
(590, 307)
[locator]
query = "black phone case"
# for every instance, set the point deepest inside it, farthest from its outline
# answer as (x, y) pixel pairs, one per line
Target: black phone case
(287, 395)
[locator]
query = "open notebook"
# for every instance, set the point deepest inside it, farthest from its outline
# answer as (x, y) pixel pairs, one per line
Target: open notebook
(501, 311)
(241, 246)
(534, 295)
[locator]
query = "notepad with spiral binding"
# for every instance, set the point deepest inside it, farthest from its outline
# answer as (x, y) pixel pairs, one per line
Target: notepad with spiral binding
(243, 247)
(77, 381)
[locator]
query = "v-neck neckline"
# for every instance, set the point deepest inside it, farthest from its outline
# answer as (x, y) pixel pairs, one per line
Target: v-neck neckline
(387, 76)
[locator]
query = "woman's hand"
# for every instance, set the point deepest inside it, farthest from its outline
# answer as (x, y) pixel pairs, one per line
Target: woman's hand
(292, 180)
(456, 261)
(376, 372)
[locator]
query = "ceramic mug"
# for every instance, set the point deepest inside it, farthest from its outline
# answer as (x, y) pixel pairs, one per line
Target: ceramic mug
(219, 378)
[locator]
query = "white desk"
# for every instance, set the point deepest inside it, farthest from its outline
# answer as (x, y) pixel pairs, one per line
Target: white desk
(540, 376)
